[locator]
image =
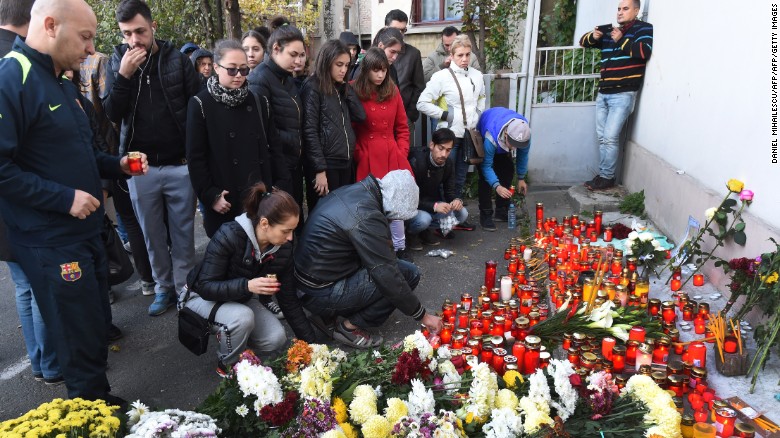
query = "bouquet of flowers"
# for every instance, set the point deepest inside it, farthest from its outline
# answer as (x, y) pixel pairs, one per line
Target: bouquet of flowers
(172, 423)
(73, 418)
(647, 249)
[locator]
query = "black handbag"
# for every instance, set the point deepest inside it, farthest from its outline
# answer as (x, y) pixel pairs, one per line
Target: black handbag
(473, 149)
(120, 269)
(194, 330)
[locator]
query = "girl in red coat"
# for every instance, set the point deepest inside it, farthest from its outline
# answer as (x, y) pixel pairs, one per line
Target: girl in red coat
(383, 139)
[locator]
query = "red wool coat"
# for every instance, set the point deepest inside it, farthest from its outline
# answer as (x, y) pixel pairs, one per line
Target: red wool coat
(383, 139)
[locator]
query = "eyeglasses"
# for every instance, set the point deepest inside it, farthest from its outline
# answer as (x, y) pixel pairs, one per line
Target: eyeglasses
(232, 71)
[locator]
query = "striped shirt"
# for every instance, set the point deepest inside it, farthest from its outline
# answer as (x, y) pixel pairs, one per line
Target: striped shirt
(623, 62)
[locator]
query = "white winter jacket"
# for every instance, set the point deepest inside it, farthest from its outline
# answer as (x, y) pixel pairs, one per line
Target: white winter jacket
(441, 95)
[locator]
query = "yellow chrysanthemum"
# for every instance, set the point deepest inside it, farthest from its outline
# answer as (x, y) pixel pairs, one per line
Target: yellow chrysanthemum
(335, 433)
(506, 399)
(510, 378)
(396, 409)
(361, 409)
(364, 391)
(735, 185)
(771, 278)
(376, 427)
(349, 430)
(340, 409)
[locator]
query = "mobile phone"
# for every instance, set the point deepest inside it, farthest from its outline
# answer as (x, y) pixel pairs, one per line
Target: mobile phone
(605, 28)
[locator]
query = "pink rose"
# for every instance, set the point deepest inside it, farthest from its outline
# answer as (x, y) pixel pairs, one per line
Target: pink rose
(746, 195)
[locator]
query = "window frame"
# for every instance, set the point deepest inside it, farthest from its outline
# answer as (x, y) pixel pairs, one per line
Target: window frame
(417, 14)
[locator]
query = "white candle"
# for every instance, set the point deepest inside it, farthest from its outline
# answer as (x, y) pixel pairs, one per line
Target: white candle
(506, 288)
(527, 254)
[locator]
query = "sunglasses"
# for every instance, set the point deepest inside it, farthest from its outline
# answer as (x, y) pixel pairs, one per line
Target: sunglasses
(232, 71)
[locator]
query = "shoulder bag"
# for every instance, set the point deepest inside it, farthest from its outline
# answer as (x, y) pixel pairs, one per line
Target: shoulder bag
(194, 330)
(473, 150)
(120, 268)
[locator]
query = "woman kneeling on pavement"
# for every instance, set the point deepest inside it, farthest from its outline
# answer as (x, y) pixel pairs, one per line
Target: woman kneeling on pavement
(246, 258)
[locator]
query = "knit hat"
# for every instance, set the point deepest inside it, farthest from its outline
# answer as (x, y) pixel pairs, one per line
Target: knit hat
(518, 134)
(400, 195)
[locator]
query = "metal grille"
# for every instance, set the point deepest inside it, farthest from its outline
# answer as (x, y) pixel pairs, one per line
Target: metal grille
(566, 75)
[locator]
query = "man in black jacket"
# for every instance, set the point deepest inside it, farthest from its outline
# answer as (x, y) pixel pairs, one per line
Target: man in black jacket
(345, 264)
(152, 85)
(411, 80)
(433, 170)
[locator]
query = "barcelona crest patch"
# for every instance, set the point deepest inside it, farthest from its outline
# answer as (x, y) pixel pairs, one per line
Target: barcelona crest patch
(70, 271)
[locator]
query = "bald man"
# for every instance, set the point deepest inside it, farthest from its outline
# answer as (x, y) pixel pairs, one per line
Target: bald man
(50, 189)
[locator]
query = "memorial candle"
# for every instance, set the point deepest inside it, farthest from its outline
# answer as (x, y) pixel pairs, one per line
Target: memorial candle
(725, 420)
(607, 344)
(697, 353)
(531, 360)
(698, 279)
(490, 274)
(637, 333)
(506, 288)
(618, 358)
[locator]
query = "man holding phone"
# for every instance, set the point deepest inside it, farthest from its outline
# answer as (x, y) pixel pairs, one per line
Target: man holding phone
(625, 50)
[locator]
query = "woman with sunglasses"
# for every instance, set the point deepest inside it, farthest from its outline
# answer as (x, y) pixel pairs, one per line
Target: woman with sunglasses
(330, 106)
(227, 149)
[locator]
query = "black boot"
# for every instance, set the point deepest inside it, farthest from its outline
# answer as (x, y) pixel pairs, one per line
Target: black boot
(486, 220)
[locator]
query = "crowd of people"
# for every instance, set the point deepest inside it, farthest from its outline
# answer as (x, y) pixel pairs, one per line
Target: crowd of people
(311, 187)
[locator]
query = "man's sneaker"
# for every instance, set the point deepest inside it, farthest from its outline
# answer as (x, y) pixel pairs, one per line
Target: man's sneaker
(38, 377)
(427, 237)
(486, 221)
(501, 215)
(162, 301)
(464, 226)
(111, 296)
(127, 247)
(404, 255)
(588, 183)
(600, 183)
(147, 288)
(114, 334)
(413, 242)
(326, 326)
(113, 400)
(271, 305)
(223, 370)
(356, 338)
(54, 381)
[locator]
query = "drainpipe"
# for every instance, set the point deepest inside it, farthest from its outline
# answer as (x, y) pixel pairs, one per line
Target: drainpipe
(529, 43)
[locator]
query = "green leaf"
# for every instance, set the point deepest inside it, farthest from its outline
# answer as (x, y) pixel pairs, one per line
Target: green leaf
(729, 202)
(740, 238)
(740, 226)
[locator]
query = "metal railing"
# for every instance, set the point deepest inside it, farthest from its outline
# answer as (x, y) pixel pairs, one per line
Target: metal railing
(566, 75)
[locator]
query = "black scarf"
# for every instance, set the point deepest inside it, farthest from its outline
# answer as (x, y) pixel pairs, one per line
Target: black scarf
(231, 97)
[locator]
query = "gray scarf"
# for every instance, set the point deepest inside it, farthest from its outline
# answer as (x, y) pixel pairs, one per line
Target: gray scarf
(231, 97)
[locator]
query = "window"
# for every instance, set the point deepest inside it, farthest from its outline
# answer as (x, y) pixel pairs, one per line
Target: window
(346, 19)
(436, 11)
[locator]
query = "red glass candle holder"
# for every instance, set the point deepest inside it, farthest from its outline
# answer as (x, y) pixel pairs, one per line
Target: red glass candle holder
(675, 285)
(607, 344)
(700, 415)
(697, 354)
(490, 274)
(698, 279)
(637, 333)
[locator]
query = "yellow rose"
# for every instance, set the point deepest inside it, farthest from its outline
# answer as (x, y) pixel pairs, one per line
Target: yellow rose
(735, 185)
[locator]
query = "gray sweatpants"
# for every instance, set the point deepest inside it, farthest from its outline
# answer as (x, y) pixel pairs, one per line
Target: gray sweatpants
(240, 326)
(166, 187)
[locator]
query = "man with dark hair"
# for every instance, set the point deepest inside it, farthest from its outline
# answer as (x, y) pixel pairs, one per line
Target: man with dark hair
(440, 58)
(625, 51)
(409, 67)
(432, 170)
(50, 189)
(152, 85)
(14, 19)
(350, 40)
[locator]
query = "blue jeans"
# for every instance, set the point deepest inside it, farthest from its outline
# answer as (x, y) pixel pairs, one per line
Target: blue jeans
(424, 220)
(612, 111)
(42, 351)
(357, 298)
(460, 165)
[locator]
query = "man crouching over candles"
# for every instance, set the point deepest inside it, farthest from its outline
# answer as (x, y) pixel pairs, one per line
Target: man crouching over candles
(345, 265)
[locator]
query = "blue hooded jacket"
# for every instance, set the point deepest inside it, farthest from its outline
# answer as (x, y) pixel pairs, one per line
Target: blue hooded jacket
(490, 123)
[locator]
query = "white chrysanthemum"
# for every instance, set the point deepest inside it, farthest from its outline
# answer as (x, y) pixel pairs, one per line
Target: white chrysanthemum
(646, 237)
(561, 370)
(418, 341)
(242, 410)
(662, 414)
(258, 381)
(506, 399)
(503, 423)
(444, 353)
(363, 408)
(338, 355)
(135, 414)
(335, 433)
(535, 405)
(364, 391)
(420, 400)
(482, 394)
